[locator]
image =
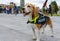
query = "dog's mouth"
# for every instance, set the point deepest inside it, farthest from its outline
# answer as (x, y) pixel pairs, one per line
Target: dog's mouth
(25, 13)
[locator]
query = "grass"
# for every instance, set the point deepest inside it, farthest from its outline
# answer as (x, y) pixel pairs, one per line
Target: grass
(54, 14)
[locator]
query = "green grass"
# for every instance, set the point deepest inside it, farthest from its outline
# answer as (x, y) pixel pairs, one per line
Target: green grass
(54, 14)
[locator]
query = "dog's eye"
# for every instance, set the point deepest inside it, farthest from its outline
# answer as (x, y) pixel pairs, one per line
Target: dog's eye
(28, 6)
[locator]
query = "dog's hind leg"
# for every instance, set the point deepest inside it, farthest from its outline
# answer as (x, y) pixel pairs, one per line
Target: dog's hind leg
(51, 29)
(43, 28)
(49, 22)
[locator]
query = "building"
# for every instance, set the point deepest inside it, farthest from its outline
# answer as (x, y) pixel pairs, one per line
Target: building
(22, 3)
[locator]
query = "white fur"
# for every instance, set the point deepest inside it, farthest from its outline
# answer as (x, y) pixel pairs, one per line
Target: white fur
(33, 29)
(36, 35)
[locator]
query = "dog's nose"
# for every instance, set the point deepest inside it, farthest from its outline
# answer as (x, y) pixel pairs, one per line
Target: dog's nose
(23, 8)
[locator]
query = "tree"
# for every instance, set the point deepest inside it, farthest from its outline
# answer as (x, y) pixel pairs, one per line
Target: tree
(0, 6)
(54, 7)
(20, 9)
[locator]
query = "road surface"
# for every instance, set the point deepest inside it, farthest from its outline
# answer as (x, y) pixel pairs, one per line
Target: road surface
(14, 28)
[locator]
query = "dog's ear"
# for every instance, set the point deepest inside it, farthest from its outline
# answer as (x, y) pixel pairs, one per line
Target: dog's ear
(35, 12)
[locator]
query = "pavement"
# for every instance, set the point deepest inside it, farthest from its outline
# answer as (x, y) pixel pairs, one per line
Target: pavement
(14, 28)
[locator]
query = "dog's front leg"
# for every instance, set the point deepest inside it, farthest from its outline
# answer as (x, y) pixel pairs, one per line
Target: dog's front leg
(38, 31)
(34, 34)
(38, 35)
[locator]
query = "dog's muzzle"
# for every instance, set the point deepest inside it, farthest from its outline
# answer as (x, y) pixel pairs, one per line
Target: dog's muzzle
(25, 13)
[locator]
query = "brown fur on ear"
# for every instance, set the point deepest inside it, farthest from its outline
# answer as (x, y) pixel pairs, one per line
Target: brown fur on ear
(34, 12)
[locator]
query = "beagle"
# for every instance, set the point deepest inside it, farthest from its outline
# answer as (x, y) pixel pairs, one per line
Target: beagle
(32, 11)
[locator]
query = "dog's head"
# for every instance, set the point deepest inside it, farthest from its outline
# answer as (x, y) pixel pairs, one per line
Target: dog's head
(29, 9)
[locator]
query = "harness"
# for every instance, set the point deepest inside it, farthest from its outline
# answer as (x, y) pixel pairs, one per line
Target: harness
(38, 20)
(34, 20)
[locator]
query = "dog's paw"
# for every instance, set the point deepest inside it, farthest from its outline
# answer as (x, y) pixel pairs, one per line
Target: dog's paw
(34, 38)
(37, 40)
(52, 36)
(42, 32)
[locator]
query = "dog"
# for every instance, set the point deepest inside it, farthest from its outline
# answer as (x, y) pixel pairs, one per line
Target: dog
(32, 11)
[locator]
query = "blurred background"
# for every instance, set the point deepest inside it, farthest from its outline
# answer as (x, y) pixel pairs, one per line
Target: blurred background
(52, 7)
